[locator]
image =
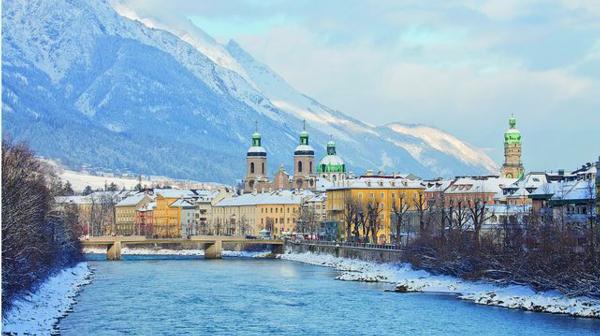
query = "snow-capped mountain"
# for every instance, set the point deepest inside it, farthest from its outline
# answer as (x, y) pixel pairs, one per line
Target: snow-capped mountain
(88, 85)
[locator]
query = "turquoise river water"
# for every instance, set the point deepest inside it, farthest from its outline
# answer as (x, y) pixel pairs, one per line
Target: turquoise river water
(245, 296)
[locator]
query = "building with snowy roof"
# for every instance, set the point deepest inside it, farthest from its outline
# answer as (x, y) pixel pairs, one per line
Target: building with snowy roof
(125, 213)
(248, 214)
(572, 199)
(389, 193)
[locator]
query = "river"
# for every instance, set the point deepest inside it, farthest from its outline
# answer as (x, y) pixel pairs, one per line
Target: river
(245, 296)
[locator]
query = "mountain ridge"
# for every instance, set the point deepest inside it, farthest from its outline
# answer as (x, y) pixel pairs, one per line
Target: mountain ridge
(119, 94)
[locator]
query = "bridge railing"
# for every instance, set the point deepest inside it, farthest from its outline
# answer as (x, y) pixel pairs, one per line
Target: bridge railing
(349, 244)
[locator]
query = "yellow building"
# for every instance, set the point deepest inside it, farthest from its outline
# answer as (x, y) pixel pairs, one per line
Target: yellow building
(248, 214)
(381, 191)
(125, 213)
(167, 218)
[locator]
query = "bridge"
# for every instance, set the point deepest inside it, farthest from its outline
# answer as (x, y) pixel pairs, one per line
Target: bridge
(213, 245)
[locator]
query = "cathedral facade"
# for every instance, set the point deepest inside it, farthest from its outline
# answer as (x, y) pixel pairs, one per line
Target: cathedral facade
(305, 172)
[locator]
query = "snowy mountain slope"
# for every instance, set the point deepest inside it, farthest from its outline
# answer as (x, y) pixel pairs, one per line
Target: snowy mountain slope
(438, 140)
(86, 85)
(429, 146)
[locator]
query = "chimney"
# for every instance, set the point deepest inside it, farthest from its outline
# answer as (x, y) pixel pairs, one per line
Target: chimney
(561, 172)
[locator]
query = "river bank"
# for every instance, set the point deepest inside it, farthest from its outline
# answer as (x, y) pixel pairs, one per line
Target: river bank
(179, 252)
(406, 279)
(38, 313)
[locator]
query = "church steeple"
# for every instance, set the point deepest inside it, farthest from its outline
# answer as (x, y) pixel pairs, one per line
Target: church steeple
(304, 156)
(304, 135)
(256, 136)
(512, 167)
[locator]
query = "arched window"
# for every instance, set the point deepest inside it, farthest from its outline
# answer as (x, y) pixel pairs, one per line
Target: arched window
(310, 167)
(251, 167)
(263, 168)
(300, 166)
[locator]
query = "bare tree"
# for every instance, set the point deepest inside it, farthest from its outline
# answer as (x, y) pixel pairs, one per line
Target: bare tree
(351, 214)
(35, 239)
(399, 210)
(479, 214)
(420, 206)
(374, 210)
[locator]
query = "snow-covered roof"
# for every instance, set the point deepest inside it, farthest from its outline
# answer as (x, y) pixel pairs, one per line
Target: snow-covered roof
(323, 184)
(436, 186)
(257, 149)
(132, 200)
(182, 203)
(304, 148)
(72, 200)
(207, 197)
(278, 197)
(479, 185)
(318, 198)
(148, 207)
(567, 190)
(331, 160)
(174, 193)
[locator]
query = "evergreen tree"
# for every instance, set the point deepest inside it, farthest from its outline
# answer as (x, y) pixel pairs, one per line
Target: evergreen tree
(112, 187)
(88, 190)
(68, 189)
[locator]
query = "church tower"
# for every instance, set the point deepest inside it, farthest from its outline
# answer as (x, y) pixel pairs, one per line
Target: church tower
(512, 167)
(256, 166)
(304, 157)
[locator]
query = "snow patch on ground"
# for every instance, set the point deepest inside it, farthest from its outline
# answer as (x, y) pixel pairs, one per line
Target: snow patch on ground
(38, 313)
(408, 279)
(185, 252)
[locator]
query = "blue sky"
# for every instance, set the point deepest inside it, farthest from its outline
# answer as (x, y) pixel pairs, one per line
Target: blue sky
(463, 66)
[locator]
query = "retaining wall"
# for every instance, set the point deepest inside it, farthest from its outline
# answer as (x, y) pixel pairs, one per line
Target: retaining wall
(361, 253)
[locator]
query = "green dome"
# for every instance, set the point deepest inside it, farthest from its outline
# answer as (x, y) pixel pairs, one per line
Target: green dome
(331, 163)
(512, 135)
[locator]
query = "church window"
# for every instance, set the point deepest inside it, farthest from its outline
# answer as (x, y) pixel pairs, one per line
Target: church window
(263, 168)
(300, 166)
(251, 167)
(310, 170)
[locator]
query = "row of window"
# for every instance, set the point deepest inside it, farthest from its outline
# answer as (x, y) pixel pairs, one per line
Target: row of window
(277, 210)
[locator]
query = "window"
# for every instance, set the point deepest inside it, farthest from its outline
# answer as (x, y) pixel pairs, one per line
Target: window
(300, 166)
(263, 168)
(310, 167)
(251, 167)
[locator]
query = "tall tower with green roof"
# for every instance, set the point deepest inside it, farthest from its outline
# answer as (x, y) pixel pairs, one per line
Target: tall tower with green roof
(513, 166)
(304, 157)
(256, 165)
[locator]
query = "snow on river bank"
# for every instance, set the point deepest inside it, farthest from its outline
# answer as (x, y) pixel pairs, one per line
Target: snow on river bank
(480, 292)
(182, 252)
(38, 313)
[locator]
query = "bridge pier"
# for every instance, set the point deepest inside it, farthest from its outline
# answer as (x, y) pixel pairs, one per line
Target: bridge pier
(214, 250)
(113, 252)
(277, 249)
